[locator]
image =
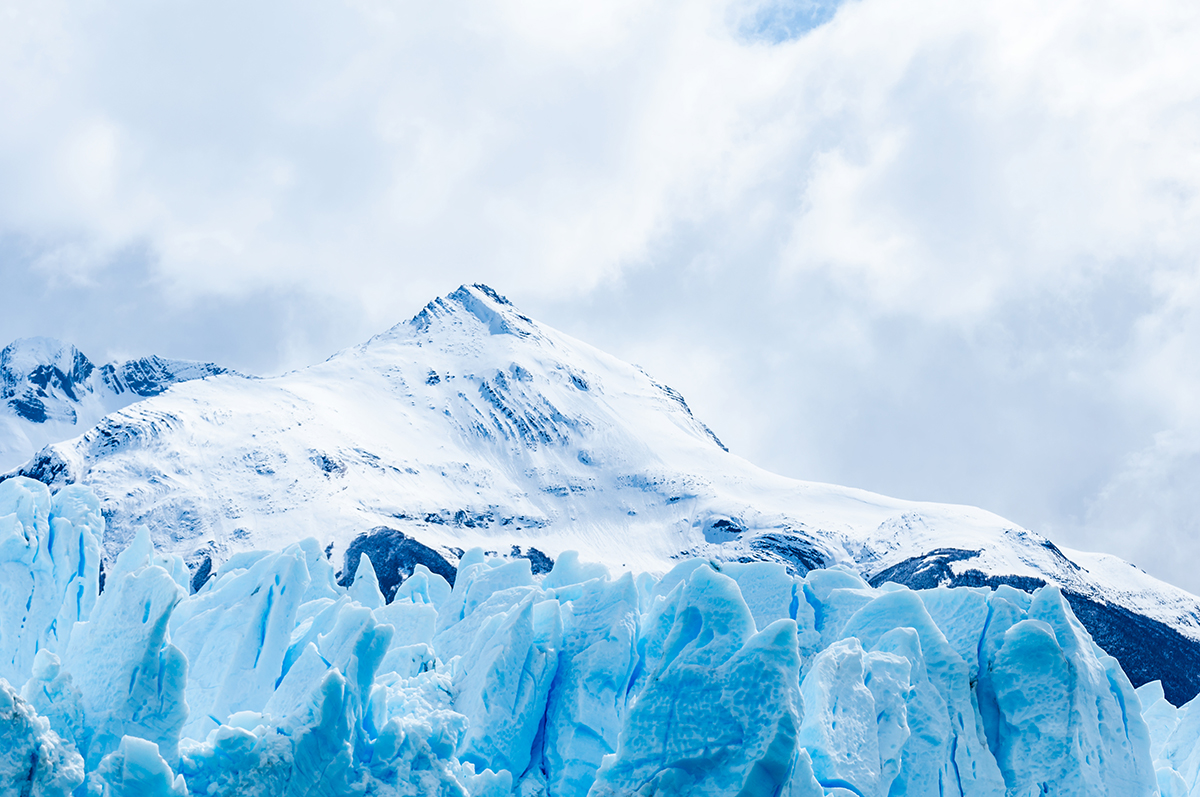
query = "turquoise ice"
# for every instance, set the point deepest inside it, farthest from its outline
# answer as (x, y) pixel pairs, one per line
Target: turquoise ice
(711, 679)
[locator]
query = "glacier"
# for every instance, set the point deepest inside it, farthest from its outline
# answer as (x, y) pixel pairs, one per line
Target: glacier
(711, 678)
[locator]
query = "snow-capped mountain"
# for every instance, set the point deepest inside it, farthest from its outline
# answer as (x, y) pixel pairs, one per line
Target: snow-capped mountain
(50, 391)
(473, 425)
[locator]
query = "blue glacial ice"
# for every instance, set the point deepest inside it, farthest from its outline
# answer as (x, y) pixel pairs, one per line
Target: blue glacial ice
(711, 679)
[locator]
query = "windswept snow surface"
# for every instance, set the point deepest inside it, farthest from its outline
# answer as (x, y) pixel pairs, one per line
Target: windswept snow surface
(49, 392)
(472, 425)
(713, 679)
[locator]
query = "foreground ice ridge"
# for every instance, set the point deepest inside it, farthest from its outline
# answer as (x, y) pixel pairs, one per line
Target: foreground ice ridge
(734, 679)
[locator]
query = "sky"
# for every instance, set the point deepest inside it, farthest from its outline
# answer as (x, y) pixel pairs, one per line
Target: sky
(940, 250)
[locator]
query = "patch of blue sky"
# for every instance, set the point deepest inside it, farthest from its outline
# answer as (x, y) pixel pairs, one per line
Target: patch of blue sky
(779, 21)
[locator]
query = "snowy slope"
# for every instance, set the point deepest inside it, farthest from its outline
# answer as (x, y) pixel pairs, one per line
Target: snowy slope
(49, 391)
(472, 425)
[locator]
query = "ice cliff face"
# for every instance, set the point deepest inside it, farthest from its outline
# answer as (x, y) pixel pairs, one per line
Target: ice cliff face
(712, 679)
(472, 425)
(49, 391)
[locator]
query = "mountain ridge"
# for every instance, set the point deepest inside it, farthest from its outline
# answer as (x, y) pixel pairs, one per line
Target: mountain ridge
(49, 389)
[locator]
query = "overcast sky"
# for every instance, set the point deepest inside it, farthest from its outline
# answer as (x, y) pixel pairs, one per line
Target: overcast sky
(942, 250)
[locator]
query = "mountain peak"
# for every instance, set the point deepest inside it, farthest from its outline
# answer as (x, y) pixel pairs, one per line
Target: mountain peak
(487, 291)
(477, 308)
(24, 356)
(38, 373)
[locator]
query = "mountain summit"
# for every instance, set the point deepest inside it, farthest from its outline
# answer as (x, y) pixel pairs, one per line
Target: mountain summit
(473, 425)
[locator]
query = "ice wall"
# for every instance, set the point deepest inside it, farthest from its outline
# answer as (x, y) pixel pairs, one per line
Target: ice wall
(709, 680)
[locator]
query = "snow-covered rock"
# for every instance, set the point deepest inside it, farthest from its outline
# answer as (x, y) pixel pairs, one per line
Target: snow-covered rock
(50, 391)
